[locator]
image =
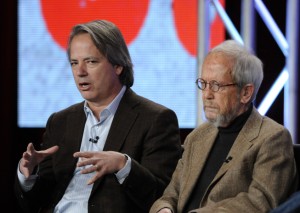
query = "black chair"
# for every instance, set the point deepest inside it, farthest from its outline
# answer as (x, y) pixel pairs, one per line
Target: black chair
(297, 159)
(292, 204)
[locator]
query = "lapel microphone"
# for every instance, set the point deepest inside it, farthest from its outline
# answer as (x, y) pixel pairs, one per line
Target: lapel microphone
(94, 140)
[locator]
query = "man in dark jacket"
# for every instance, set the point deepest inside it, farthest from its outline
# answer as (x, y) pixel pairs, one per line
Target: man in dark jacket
(115, 151)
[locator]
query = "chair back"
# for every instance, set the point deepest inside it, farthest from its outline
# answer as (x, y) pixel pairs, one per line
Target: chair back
(297, 159)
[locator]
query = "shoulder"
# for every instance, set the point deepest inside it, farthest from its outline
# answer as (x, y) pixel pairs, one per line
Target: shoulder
(62, 114)
(264, 131)
(272, 129)
(203, 128)
(269, 123)
(205, 131)
(265, 123)
(141, 103)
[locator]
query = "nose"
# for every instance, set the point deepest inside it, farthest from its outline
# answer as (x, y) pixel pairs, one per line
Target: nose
(81, 69)
(207, 93)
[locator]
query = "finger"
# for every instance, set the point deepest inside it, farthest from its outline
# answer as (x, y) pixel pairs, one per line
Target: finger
(93, 168)
(86, 161)
(30, 148)
(26, 156)
(83, 154)
(92, 180)
(24, 167)
(24, 161)
(29, 153)
(95, 177)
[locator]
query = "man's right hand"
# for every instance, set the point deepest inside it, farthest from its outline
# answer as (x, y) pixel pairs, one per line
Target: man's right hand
(31, 158)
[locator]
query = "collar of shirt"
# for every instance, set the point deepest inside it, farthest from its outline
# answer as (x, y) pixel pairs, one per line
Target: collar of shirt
(77, 189)
(112, 107)
(96, 131)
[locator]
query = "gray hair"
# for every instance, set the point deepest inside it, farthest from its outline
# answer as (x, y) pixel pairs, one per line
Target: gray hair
(110, 42)
(246, 68)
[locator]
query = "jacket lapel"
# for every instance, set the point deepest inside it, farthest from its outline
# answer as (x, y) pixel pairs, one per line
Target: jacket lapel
(70, 142)
(121, 125)
(242, 143)
(122, 122)
(199, 151)
(75, 127)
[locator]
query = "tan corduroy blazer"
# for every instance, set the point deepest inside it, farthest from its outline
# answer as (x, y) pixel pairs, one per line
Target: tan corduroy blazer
(261, 174)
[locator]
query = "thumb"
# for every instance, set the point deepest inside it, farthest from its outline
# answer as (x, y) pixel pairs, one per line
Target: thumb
(49, 151)
(52, 149)
(30, 148)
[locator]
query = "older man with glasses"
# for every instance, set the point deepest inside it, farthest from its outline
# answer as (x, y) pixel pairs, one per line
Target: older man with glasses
(237, 161)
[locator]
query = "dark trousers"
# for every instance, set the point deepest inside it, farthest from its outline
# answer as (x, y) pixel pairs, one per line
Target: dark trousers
(292, 205)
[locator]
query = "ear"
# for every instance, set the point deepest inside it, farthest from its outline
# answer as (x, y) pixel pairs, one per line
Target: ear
(246, 93)
(118, 69)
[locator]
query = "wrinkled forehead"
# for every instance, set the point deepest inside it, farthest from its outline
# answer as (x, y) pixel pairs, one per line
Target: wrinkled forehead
(217, 66)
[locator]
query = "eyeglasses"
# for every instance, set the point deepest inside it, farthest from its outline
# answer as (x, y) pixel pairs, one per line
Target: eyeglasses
(213, 85)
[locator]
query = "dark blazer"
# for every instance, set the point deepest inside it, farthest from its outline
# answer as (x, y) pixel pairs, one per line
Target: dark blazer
(146, 131)
(260, 175)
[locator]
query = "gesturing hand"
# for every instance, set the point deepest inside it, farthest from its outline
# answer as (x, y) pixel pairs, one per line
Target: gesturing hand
(103, 163)
(31, 158)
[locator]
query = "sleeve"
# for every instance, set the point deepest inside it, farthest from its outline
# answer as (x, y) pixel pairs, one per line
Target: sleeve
(30, 193)
(170, 197)
(26, 183)
(123, 173)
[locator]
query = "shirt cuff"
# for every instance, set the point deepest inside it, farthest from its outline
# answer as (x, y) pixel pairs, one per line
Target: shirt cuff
(26, 183)
(124, 172)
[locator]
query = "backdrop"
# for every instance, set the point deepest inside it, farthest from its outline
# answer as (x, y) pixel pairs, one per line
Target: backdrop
(162, 40)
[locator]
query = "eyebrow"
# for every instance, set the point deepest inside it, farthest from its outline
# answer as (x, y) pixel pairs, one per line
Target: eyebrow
(88, 58)
(91, 57)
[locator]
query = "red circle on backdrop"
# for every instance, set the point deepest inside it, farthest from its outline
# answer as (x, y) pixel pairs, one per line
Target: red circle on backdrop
(186, 23)
(60, 16)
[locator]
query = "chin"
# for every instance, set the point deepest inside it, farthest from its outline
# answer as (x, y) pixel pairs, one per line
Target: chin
(210, 117)
(87, 96)
(215, 120)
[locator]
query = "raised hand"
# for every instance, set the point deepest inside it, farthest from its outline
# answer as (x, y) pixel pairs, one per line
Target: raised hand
(31, 158)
